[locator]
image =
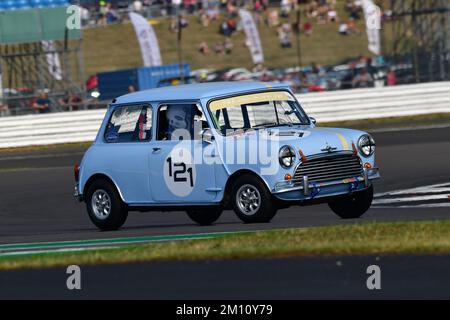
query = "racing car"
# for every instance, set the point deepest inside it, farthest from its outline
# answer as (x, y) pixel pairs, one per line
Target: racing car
(205, 148)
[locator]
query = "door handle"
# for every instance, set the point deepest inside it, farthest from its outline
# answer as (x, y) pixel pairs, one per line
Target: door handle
(156, 150)
(212, 155)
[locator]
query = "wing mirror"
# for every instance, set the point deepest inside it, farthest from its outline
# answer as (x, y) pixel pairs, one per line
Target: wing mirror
(207, 136)
(313, 120)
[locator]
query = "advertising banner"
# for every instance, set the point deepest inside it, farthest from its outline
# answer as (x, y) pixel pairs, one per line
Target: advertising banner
(147, 40)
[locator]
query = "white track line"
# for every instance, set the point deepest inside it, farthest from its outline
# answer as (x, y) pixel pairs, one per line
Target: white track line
(394, 199)
(423, 189)
(425, 205)
(411, 199)
(65, 250)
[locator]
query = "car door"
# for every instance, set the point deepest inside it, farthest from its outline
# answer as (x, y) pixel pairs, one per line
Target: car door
(177, 173)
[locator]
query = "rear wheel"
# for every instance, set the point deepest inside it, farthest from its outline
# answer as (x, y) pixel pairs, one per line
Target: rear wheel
(205, 216)
(104, 206)
(354, 205)
(251, 200)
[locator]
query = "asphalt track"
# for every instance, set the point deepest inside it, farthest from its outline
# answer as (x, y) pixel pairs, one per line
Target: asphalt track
(413, 277)
(36, 205)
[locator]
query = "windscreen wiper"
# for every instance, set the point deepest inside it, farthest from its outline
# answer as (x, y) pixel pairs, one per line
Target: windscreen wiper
(265, 125)
(284, 124)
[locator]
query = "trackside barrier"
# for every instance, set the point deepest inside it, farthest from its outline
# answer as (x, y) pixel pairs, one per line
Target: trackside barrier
(405, 100)
(82, 126)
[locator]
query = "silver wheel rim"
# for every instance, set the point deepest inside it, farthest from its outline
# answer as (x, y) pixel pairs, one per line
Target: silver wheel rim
(101, 204)
(248, 199)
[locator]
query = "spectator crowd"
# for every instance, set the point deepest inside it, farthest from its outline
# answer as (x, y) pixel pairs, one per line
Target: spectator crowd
(277, 15)
(284, 18)
(44, 102)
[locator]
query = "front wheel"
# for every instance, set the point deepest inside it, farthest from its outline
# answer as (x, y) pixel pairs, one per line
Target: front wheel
(251, 200)
(354, 205)
(104, 206)
(205, 216)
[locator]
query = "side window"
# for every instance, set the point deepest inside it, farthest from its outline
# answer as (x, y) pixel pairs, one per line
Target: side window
(130, 124)
(180, 121)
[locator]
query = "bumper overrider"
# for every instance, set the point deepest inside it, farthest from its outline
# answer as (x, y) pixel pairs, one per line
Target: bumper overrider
(306, 190)
(77, 193)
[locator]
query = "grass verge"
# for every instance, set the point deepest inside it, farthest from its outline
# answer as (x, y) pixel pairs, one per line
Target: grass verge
(426, 120)
(63, 147)
(427, 237)
(115, 47)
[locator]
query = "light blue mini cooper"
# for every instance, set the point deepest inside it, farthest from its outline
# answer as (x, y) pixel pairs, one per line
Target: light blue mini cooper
(203, 148)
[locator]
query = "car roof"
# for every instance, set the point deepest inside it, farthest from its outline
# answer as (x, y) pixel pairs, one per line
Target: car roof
(197, 91)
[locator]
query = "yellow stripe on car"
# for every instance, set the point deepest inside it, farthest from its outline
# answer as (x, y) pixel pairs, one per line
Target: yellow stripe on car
(268, 86)
(344, 141)
(236, 102)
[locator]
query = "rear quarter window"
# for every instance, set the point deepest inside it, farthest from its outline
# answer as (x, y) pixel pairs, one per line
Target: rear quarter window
(129, 124)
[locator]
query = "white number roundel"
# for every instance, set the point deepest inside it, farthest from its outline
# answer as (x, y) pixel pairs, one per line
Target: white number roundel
(179, 172)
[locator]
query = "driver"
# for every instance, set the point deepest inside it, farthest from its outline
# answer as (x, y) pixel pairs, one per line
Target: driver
(181, 117)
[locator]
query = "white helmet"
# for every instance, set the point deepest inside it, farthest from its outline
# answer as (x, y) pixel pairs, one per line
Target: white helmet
(178, 116)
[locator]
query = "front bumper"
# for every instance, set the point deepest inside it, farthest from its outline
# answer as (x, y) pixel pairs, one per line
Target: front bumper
(305, 190)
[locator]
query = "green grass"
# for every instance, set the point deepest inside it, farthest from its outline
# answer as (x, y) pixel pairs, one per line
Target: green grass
(429, 237)
(115, 47)
(426, 120)
(63, 147)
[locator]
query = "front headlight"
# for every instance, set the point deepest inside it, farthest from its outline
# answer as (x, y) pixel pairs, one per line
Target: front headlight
(287, 156)
(366, 145)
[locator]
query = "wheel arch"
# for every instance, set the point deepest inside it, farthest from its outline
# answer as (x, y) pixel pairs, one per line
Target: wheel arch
(99, 176)
(236, 175)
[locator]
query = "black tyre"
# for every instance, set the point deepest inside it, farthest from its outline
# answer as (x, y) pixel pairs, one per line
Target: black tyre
(251, 201)
(353, 206)
(205, 216)
(105, 208)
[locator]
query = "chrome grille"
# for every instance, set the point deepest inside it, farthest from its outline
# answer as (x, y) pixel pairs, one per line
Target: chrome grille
(329, 168)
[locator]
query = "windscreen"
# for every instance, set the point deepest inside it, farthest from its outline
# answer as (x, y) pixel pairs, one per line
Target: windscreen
(256, 111)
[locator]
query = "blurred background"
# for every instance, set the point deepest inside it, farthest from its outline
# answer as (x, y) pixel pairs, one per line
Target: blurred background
(314, 45)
